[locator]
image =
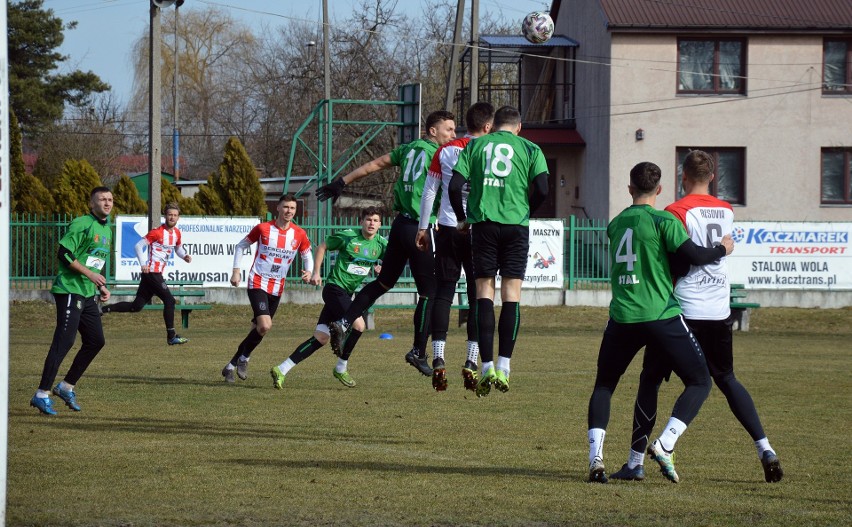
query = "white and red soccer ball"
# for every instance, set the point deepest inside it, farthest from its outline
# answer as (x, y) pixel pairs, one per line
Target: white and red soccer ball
(537, 27)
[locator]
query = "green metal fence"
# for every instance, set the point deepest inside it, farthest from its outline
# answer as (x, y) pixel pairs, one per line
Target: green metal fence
(34, 239)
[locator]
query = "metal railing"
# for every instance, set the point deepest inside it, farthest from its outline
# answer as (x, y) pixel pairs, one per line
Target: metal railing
(34, 239)
(538, 103)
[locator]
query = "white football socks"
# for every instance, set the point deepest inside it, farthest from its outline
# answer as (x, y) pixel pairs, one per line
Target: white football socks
(341, 365)
(503, 364)
(635, 459)
(596, 441)
(674, 429)
(286, 366)
(438, 349)
(762, 446)
(473, 351)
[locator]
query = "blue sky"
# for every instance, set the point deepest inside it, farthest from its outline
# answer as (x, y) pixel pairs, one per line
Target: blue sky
(107, 29)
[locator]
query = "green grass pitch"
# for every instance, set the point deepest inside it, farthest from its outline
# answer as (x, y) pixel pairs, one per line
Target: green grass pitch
(162, 440)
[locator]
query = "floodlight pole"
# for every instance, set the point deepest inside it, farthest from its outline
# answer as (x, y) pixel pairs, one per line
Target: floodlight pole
(176, 91)
(474, 52)
(326, 51)
(155, 139)
(454, 57)
(5, 211)
(154, 124)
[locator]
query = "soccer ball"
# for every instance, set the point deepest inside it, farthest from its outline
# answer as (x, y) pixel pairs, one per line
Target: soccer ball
(537, 27)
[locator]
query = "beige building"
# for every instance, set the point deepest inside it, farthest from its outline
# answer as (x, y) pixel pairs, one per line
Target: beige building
(767, 92)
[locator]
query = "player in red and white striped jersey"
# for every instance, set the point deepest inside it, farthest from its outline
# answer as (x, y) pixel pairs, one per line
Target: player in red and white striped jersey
(704, 294)
(278, 243)
(452, 247)
(161, 242)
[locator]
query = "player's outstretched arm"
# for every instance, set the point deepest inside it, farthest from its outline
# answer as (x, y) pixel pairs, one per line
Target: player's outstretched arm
(335, 188)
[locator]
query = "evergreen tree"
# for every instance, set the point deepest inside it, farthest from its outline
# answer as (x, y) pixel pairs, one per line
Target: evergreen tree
(126, 198)
(234, 189)
(36, 92)
(17, 169)
(48, 167)
(170, 193)
(208, 199)
(28, 193)
(34, 198)
(74, 186)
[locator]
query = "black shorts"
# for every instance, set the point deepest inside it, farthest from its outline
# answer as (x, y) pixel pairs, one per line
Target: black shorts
(452, 254)
(262, 303)
(676, 346)
(716, 340)
(153, 284)
(499, 247)
(402, 250)
(337, 301)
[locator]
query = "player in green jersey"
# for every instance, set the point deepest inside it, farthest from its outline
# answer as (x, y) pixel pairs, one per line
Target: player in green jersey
(413, 159)
(704, 294)
(83, 253)
(644, 311)
(508, 181)
(358, 252)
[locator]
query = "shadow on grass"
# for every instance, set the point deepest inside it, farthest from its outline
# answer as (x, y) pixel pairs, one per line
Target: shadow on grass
(286, 431)
(183, 381)
(405, 468)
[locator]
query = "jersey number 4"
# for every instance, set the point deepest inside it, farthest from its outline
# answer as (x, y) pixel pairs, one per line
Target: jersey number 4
(624, 253)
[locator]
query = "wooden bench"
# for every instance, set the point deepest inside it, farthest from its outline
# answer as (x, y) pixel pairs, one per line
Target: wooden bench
(740, 309)
(180, 289)
(407, 286)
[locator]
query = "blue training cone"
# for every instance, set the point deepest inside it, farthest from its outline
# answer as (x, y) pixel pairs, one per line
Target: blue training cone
(386, 336)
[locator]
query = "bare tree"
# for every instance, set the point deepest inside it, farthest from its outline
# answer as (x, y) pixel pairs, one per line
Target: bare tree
(94, 133)
(261, 85)
(212, 48)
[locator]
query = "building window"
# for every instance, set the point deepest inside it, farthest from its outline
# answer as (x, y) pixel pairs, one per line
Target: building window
(711, 66)
(837, 66)
(836, 176)
(729, 183)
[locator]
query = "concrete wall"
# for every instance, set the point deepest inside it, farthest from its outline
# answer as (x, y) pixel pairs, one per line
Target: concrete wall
(783, 123)
(583, 21)
(594, 298)
(567, 178)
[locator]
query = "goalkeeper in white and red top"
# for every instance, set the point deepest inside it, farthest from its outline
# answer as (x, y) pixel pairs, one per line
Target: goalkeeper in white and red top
(278, 243)
(452, 247)
(704, 294)
(161, 243)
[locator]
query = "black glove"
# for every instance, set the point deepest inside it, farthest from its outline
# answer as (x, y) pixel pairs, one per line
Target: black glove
(332, 190)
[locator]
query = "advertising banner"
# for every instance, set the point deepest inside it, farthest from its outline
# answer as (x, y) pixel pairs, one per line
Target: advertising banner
(785, 255)
(545, 259)
(209, 240)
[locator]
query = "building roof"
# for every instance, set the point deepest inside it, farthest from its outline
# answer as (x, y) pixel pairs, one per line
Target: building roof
(508, 48)
(517, 41)
(759, 15)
